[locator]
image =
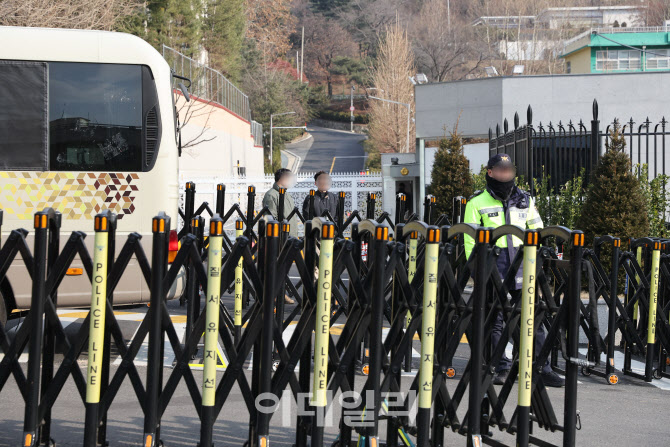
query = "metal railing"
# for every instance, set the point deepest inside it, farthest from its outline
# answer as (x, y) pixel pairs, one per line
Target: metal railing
(208, 84)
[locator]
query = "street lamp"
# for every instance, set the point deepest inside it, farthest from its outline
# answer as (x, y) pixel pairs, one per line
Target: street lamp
(399, 103)
(271, 117)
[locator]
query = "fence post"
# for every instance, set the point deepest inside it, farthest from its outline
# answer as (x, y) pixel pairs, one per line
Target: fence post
(211, 329)
(189, 206)
(651, 314)
(595, 138)
(49, 342)
(375, 334)
(265, 352)
(611, 317)
(572, 367)
(526, 331)
(160, 229)
(458, 209)
(322, 331)
(372, 203)
(280, 207)
(428, 204)
(36, 331)
(340, 212)
(400, 208)
(97, 327)
(411, 272)
(482, 240)
(310, 208)
(239, 285)
(251, 200)
(220, 200)
(192, 293)
(428, 337)
(106, 353)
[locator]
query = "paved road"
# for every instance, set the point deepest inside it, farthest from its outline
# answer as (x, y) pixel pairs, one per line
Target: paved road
(631, 413)
(329, 149)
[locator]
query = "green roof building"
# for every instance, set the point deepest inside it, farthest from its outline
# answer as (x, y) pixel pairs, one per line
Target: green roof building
(612, 50)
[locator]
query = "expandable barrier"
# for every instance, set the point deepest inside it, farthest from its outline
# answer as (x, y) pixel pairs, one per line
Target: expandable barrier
(421, 271)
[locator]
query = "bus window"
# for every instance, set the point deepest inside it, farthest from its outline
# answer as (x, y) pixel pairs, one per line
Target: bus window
(95, 117)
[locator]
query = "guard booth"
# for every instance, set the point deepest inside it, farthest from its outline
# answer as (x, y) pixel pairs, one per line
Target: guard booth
(401, 173)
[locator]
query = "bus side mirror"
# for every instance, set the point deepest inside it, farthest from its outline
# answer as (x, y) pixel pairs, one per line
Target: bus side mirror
(184, 91)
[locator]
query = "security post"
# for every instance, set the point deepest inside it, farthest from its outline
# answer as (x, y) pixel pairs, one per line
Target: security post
(211, 329)
(192, 295)
(526, 331)
(428, 204)
(322, 330)
(96, 329)
(653, 304)
(239, 286)
(432, 254)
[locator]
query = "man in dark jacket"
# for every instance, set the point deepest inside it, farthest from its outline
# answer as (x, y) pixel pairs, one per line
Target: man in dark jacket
(324, 200)
(501, 203)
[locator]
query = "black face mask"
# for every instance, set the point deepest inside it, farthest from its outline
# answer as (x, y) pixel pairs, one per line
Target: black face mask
(501, 189)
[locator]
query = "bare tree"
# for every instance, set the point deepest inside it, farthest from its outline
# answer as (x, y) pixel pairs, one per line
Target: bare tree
(325, 40)
(94, 14)
(270, 23)
(445, 43)
(388, 126)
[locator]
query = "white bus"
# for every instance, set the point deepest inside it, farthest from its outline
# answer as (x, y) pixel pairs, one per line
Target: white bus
(87, 123)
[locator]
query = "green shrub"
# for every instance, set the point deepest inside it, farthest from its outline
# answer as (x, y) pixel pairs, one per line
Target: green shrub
(450, 176)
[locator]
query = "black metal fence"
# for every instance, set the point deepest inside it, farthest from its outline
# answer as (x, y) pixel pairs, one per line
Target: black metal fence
(560, 151)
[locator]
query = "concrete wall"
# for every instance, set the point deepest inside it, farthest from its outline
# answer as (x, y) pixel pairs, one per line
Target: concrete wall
(225, 139)
(482, 103)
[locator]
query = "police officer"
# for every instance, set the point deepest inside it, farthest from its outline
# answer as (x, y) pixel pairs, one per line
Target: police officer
(501, 203)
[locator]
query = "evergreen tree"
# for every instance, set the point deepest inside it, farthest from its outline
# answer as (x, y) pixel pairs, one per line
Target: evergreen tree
(223, 34)
(451, 175)
(615, 202)
(175, 23)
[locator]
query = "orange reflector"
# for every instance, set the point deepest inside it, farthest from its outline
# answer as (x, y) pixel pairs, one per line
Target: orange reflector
(373, 442)
(195, 222)
(74, 271)
(263, 442)
(148, 441)
(29, 440)
(311, 192)
(252, 189)
(219, 187)
(239, 225)
(342, 193)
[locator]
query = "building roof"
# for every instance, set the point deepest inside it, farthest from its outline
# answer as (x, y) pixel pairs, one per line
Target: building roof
(617, 37)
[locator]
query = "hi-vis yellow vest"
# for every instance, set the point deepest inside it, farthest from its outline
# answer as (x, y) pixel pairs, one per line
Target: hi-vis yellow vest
(485, 210)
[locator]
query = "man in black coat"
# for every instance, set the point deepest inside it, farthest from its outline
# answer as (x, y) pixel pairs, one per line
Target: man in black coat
(324, 200)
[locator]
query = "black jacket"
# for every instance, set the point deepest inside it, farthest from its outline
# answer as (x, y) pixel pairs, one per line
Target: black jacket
(323, 201)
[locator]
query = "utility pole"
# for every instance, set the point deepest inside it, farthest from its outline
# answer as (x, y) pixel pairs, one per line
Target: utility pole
(302, 54)
(351, 108)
